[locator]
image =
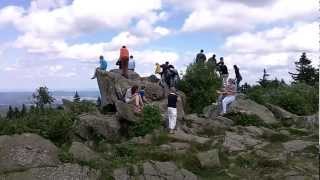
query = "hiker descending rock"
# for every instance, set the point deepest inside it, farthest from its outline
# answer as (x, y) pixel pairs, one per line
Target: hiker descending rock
(238, 76)
(223, 70)
(133, 97)
(132, 63)
(124, 58)
(227, 96)
(172, 109)
(103, 66)
(201, 57)
(172, 77)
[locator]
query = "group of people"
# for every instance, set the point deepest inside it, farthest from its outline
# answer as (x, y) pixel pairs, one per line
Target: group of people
(169, 77)
(230, 87)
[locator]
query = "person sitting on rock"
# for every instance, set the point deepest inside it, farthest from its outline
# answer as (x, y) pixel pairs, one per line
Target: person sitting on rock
(142, 94)
(172, 109)
(103, 66)
(132, 64)
(227, 96)
(133, 97)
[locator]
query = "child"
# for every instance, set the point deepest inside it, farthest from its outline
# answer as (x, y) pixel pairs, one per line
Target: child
(172, 109)
(141, 92)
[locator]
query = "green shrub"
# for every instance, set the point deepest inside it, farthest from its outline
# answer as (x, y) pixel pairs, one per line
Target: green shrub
(299, 99)
(82, 107)
(245, 120)
(200, 84)
(150, 120)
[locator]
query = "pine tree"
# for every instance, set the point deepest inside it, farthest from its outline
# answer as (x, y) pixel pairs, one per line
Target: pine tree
(264, 81)
(10, 113)
(42, 97)
(305, 72)
(16, 113)
(23, 110)
(76, 97)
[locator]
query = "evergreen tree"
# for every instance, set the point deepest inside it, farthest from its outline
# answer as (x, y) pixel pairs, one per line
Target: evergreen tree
(305, 72)
(23, 110)
(76, 97)
(264, 81)
(42, 97)
(10, 113)
(16, 113)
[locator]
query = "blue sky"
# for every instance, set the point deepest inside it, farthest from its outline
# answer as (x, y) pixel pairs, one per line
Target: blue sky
(57, 42)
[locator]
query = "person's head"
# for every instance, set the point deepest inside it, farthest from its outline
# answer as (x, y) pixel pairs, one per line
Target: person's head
(167, 63)
(123, 46)
(231, 81)
(235, 67)
(131, 57)
(172, 90)
(157, 64)
(134, 89)
(214, 55)
(201, 50)
(101, 57)
(221, 59)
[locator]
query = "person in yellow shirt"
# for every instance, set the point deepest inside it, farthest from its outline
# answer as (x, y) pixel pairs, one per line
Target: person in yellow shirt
(158, 69)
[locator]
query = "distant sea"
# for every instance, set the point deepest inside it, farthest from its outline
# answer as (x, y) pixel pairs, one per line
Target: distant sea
(16, 99)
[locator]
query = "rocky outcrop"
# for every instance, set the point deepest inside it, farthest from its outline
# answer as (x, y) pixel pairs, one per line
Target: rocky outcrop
(21, 152)
(61, 172)
(153, 170)
(81, 152)
(246, 106)
(182, 136)
(90, 125)
(209, 159)
(234, 142)
(296, 145)
(113, 86)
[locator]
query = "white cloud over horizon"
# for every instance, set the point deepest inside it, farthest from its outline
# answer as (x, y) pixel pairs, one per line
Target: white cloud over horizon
(255, 35)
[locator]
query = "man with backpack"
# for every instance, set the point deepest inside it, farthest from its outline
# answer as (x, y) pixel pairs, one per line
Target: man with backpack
(124, 58)
(201, 57)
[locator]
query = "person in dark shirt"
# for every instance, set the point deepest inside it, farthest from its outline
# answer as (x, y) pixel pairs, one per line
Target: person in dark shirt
(201, 57)
(238, 76)
(172, 109)
(223, 70)
(164, 72)
(212, 62)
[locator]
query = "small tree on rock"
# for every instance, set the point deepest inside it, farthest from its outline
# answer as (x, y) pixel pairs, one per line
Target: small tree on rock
(16, 113)
(23, 110)
(10, 113)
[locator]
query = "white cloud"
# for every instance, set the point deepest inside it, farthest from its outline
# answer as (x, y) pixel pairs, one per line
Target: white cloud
(234, 16)
(10, 13)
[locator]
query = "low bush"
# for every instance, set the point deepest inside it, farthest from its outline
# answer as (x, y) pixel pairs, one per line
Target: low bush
(245, 120)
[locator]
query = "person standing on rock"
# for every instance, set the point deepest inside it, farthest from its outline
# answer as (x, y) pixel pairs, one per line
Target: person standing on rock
(201, 57)
(124, 58)
(132, 64)
(212, 62)
(238, 76)
(224, 72)
(103, 66)
(172, 109)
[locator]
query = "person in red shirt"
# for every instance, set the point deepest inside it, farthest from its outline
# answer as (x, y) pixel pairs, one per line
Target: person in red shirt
(124, 58)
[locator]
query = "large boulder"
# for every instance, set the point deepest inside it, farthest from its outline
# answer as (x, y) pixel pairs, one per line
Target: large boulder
(182, 136)
(153, 170)
(209, 158)
(21, 152)
(297, 145)
(90, 125)
(246, 106)
(234, 142)
(61, 172)
(82, 152)
(125, 111)
(131, 74)
(283, 115)
(310, 122)
(113, 86)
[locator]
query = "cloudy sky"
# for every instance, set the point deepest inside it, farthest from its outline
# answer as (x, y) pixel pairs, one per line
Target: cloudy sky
(57, 42)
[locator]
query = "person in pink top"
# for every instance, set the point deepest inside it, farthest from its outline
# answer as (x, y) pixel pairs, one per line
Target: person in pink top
(227, 95)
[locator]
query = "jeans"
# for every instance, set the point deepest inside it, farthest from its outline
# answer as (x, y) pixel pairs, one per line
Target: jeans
(227, 100)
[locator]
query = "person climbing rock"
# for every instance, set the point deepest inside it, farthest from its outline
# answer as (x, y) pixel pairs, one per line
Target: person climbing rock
(238, 76)
(103, 66)
(172, 109)
(172, 77)
(132, 64)
(124, 58)
(132, 96)
(201, 57)
(164, 73)
(227, 96)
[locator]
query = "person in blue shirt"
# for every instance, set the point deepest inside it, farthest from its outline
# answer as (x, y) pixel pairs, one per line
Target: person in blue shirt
(103, 66)
(132, 64)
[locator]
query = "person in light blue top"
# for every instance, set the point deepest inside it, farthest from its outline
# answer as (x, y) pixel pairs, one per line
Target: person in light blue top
(103, 66)
(132, 64)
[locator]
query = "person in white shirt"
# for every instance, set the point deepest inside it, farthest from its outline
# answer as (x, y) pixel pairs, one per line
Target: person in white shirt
(132, 64)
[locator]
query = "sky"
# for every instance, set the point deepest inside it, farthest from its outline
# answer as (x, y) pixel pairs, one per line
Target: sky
(57, 43)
